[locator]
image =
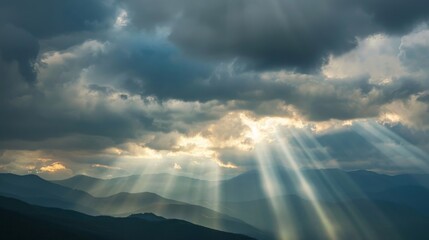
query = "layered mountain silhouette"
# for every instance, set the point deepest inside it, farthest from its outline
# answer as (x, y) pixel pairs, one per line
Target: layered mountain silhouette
(35, 190)
(23, 221)
(328, 184)
(359, 204)
(415, 197)
(385, 207)
(353, 219)
(167, 185)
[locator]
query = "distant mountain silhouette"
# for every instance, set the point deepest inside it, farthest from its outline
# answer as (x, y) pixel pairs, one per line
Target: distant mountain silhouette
(415, 197)
(148, 217)
(167, 185)
(35, 190)
(361, 204)
(329, 184)
(357, 219)
(19, 220)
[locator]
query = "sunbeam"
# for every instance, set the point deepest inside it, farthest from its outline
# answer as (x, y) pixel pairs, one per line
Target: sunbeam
(395, 148)
(335, 189)
(214, 119)
(307, 188)
(272, 187)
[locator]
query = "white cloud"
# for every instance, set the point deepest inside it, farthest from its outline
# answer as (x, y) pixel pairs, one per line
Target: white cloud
(376, 56)
(177, 166)
(122, 20)
(54, 167)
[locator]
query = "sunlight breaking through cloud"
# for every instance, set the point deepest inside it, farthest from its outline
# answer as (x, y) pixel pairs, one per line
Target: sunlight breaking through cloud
(397, 150)
(275, 119)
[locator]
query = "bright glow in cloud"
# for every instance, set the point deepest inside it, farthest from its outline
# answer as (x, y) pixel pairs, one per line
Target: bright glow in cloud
(264, 128)
(54, 167)
(177, 166)
(211, 111)
(375, 55)
(122, 20)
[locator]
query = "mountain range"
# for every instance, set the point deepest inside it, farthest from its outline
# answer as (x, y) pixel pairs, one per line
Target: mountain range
(35, 190)
(20, 220)
(359, 204)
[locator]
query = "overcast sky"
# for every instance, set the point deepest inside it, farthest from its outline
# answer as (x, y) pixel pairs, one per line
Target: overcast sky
(117, 87)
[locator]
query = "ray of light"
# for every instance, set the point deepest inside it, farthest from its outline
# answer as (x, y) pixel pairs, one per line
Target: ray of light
(216, 195)
(271, 186)
(271, 183)
(349, 214)
(307, 188)
(353, 215)
(168, 185)
(131, 184)
(418, 153)
(394, 147)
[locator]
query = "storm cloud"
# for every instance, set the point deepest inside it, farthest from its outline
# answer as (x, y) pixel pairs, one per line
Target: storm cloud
(276, 33)
(90, 82)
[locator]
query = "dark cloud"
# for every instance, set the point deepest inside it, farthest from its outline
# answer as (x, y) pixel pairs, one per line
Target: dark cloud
(424, 97)
(396, 16)
(43, 111)
(47, 18)
(295, 34)
(70, 142)
(33, 115)
(155, 68)
(139, 63)
(152, 67)
(124, 96)
(36, 123)
(148, 14)
(19, 46)
(182, 65)
(24, 22)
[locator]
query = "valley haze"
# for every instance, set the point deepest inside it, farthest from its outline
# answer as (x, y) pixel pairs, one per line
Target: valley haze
(226, 119)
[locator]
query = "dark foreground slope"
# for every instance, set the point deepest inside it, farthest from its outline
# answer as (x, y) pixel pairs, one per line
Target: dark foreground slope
(23, 221)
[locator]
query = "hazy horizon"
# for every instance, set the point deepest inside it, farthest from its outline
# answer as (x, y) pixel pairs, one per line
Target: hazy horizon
(213, 89)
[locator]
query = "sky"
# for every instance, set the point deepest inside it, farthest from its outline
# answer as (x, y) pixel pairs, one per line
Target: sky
(111, 88)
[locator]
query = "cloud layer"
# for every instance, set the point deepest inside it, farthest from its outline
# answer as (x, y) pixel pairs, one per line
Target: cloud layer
(100, 83)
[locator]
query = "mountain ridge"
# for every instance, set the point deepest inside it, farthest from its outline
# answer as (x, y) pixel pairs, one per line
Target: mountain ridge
(53, 223)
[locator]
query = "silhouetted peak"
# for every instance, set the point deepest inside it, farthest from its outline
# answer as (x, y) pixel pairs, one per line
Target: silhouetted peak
(151, 217)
